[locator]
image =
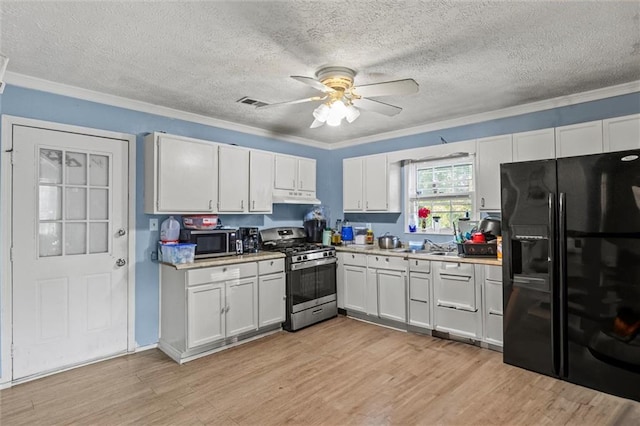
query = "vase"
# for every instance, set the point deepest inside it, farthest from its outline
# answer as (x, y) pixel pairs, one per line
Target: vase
(423, 224)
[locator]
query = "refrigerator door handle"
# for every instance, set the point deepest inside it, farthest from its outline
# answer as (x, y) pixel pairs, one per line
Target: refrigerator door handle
(551, 272)
(562, 281)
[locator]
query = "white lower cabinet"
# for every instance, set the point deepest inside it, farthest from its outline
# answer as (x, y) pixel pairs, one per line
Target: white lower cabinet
(492, 305)
(387, 287)
(457, 299)
(420, 291)
(271, 292)
(352, 281)
(205, 308)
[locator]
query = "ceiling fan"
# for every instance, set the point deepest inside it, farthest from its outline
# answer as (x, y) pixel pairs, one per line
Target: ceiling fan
(342, 99)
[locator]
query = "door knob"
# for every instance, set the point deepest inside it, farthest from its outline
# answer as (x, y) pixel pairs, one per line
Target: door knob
(122, 232)
(121, 262)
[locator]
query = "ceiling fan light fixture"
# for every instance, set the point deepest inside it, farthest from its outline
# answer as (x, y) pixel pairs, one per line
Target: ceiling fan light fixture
(321, 113)
(352, 113)
(334, 121)
(316, 123)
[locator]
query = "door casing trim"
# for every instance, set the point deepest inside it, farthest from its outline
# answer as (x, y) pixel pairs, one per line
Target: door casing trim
(6, 276)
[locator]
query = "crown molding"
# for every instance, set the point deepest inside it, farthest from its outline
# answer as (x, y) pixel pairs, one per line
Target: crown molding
(561, 101)
(35, 83)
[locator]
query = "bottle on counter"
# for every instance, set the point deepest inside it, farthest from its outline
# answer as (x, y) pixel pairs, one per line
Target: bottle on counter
(369, 237)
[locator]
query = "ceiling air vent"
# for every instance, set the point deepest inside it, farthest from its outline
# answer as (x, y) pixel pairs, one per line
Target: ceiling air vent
(253, 102)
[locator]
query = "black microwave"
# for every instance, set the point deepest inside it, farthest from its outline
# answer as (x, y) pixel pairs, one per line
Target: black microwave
(211, 242)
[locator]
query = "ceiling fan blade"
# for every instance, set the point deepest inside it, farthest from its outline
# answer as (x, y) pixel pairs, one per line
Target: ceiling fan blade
(388, 88)
(298, 101)
(313, 83)
(377, 106)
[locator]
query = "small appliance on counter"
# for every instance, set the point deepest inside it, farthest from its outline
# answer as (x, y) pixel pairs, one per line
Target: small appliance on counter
(315, 222)
(250, 239)
(360, 234)
(347, 233)
(212, 242)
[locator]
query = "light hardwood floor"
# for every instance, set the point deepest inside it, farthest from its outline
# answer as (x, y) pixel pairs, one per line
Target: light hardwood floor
(338, 372)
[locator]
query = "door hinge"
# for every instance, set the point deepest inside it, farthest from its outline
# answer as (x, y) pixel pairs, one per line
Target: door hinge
(11, 153)
(12, 350)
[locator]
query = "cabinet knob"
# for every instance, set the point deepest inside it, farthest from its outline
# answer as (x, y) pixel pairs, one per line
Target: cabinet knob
(482, 201)
(224, 269)
(242, 204)
(121, 262)
(271, 263)
(122, 232)
(210, 204)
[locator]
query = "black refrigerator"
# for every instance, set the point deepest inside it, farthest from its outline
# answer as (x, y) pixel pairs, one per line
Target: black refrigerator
(571, 269)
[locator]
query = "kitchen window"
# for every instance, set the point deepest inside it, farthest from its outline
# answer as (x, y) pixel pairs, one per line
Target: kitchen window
(443, 187)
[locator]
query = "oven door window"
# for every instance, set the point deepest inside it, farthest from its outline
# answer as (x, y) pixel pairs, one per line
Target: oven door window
(312, 283)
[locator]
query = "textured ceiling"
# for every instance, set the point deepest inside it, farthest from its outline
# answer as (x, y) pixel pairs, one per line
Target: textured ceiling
(201, 57)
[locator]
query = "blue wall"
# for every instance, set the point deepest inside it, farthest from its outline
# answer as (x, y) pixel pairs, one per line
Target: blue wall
(45, 106)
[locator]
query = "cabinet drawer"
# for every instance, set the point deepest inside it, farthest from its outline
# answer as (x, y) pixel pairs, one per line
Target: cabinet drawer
(354, 259)
(460, 323)
(419, 284)
(494, 329)
(222, 273)
(493, 273)
(420, 265)
(493, 290)
(270, 266)
(455, 287)
(386, 262)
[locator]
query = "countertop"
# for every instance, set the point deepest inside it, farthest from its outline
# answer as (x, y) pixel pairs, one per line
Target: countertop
(228, 260)
(374, 249)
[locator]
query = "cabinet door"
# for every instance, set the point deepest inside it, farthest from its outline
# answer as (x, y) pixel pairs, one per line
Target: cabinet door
(455, 286)
(271, 299)
(491, 153)
(187, 175)
(233, 179)
(355, 287)
(285, 172)
(307, 174)
(420, 299)
(392, 295)
(535, 145)
(375, 183)
(579, 139)
(352, 184)
(493, 311)
(242, 306)
(621, 133)
(205, 314)
(260, 182)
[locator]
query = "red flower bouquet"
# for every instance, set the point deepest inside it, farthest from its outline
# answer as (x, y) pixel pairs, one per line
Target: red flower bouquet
(423, 212)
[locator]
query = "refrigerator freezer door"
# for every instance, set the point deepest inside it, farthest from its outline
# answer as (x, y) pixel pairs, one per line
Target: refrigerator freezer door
(602, 275)
(531, 328)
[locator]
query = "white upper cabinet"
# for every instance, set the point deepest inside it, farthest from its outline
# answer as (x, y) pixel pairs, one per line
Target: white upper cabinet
(260, 182)
(294, 178)
(535, 145)
(233, 175)
(181, 175)
(286, 168)
(491, 153)
(621, 133)
(307, 174)
(353, 184)
(579, 139)
(371, 184)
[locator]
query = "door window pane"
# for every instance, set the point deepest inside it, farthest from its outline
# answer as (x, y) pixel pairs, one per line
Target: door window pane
(50, 166)
(76, 168)
(98, 238)
(50, 202)
(75, 238)
(50, 239)
(76, 203)
(99, 204)
(99, 170)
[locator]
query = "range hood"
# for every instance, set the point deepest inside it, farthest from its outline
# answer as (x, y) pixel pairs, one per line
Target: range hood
(294, 197)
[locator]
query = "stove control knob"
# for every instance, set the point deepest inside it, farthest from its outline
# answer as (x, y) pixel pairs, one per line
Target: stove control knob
(325, 254)
(304, 257)
(299, 258)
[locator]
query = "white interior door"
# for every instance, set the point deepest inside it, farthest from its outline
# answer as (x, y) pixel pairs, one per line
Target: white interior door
(70, 240)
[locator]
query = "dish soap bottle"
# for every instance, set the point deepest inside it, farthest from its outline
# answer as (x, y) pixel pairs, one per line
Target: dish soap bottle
(369, 237)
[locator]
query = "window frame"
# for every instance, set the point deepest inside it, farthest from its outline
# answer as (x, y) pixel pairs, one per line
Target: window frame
(411, 196)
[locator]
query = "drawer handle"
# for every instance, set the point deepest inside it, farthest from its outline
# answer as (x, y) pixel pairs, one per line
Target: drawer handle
(317, 311)
(494, 312)
(464, 278)
(457, 306)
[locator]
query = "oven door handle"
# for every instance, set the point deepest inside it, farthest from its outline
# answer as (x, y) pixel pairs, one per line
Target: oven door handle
(313, 263)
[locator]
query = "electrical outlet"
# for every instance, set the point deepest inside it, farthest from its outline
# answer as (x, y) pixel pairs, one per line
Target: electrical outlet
(153, 224)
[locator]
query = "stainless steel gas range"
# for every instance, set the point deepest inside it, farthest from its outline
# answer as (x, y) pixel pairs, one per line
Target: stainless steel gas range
(310, 276)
